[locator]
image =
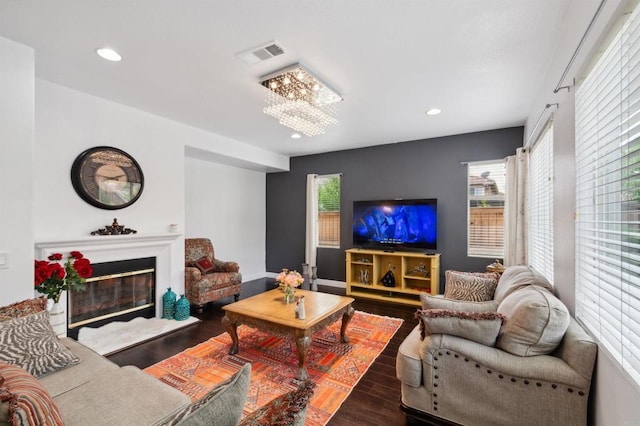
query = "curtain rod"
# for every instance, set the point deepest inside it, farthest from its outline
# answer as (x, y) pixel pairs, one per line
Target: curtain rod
(575, 53)
(535, 127)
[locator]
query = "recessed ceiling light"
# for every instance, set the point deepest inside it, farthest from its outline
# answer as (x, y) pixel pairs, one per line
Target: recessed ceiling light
(109, 54)
(433, 111)
(296, 136)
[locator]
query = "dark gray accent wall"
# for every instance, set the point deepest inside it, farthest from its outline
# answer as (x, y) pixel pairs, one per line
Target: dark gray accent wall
(428, 168)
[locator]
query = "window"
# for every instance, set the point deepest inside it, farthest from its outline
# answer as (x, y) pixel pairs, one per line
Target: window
(608, 197)
(486, 182)
(540, 203)
(328, 210)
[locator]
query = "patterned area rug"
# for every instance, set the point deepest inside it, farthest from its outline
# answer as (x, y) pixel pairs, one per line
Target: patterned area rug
(335, 367)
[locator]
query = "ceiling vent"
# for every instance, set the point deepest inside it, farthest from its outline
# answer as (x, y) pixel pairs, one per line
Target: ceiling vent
(261, 53)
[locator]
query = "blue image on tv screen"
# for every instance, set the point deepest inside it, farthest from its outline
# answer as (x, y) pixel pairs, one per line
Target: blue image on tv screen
(409, 225)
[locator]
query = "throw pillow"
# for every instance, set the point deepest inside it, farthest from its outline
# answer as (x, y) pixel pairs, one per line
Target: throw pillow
(480, 327)
(224, 403)
(205, 265)
(30, 343)
(466, 286)
(287, 409)
(537, 322)
(439, 302)
(25, 307)
(516, 277)
(23, 400)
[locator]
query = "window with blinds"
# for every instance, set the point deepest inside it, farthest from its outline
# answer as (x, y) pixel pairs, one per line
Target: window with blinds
(485, 193)
(540, 250)
(608, 196)
(328, 210)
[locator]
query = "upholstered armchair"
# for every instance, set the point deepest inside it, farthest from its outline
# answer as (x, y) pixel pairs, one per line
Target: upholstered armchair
(206, 278)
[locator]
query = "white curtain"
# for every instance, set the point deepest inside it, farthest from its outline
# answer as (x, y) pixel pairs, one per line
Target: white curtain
(515, 210)
(311, 240)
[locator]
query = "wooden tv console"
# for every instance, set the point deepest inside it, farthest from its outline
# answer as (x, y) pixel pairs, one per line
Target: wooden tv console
(415, 273)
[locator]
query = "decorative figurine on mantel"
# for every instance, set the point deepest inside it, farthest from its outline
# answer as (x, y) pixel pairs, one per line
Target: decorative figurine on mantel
(114, 229)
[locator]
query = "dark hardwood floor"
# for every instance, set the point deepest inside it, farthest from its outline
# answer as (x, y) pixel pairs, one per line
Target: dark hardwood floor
(374, 401)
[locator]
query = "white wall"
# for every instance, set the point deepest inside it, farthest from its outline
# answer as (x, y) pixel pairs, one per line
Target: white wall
(17, 108)
(44, 127)
(614, 397)
(69, 122)
(228, 205)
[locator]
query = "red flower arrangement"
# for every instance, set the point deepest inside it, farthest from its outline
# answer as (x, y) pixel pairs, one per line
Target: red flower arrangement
(52, 278)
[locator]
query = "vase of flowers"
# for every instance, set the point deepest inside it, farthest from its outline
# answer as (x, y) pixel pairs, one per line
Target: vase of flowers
(288, 281)
(53, 277)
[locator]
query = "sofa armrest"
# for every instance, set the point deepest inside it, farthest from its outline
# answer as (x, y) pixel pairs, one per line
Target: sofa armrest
(546, 368)
(223, 266)
(191, 275)
(578, 350)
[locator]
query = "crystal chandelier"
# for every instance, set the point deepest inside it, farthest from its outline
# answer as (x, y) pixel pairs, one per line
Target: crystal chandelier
(300, 101)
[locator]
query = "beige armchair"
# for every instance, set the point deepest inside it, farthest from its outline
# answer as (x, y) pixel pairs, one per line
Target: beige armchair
(206, 278)
(517, 359)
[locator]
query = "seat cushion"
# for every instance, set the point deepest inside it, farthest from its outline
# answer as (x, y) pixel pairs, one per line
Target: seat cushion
(536, 322)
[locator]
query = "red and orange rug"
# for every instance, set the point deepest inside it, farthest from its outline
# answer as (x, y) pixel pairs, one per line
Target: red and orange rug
(335, 367)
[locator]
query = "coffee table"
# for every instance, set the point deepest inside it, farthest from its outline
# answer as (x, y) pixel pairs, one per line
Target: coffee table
(269, 312)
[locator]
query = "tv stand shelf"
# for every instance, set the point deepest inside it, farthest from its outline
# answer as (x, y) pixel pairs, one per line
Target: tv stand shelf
(415, 273)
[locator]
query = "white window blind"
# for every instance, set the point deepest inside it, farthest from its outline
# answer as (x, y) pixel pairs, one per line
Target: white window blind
(486, 188)
(328, 210)
(608, 197)
(540, 195)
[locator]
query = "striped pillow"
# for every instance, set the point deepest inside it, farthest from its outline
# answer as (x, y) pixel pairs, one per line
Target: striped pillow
(23, 400)
(469, 286)
(30, 343)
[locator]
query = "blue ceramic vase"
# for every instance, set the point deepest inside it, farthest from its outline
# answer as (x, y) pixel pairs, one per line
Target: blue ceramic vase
(182, 308)
(168, 304)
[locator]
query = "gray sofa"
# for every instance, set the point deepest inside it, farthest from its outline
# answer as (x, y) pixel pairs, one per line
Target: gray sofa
(46, 380)
(518, 359)
(96, 391)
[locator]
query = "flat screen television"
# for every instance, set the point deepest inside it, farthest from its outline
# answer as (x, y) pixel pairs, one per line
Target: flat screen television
(396, 224)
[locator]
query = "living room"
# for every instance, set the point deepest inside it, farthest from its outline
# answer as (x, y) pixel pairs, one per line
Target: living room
(241, 195)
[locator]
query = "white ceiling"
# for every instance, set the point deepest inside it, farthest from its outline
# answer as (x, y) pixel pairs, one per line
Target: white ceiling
(480, 61)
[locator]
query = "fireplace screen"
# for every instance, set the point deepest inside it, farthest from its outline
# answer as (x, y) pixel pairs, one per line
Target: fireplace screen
(115, 289)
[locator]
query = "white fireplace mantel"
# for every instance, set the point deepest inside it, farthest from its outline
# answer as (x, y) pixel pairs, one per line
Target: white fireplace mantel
(111, 248)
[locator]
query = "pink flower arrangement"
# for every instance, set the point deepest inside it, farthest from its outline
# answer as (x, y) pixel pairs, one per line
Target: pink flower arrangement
(289, 279)
(52, 278)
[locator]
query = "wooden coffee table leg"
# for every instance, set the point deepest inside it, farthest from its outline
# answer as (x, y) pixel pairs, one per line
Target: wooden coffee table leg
(302, 346)
(232, 329)
(345, 322)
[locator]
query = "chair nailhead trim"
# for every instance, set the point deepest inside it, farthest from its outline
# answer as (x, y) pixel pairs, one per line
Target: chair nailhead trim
(554, 386)
(477, 365)
(513, 380)
(435, 395)
(489, 371)
(440, 353)
(457, 356)
(466, 360)
(501, 376)
(526, 382)
(580, 393)
(538, 384)
(435, 377)
(448, 353)
(570, 390)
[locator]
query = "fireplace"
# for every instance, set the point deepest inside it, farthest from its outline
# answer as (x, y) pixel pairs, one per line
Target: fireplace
(168, 269)
(117, 291)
